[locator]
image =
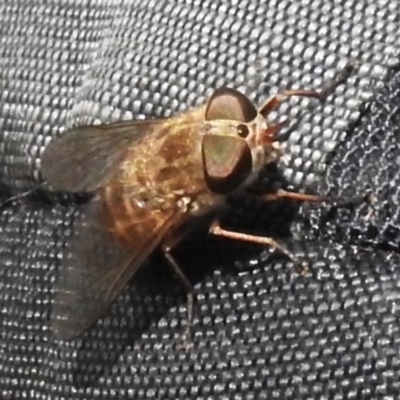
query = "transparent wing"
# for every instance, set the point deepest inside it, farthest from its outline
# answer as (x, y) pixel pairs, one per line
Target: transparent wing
(85, 158)
(98, 267)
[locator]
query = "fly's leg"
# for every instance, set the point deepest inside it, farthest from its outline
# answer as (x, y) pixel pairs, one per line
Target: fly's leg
(274, 101)
(215, 229)
(190, 291)
(302, 267)
(283, 194)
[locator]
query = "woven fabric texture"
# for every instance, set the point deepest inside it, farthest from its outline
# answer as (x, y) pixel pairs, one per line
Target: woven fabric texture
(261, 330)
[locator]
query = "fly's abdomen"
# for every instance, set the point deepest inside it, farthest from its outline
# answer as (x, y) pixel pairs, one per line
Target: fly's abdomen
(126, 217)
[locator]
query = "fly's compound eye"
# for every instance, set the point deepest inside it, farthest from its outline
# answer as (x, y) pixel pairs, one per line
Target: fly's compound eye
(229, 104)
(227, 162)
(243, 131)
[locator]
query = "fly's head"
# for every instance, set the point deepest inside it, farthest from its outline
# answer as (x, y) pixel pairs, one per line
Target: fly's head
(237, 142)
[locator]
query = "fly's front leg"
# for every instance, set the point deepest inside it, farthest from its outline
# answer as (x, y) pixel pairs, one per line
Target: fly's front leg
(275, 100)
(283, 194)
(215, 229)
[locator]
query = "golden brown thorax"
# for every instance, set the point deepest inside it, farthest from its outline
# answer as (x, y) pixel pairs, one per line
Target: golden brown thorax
(167, 172)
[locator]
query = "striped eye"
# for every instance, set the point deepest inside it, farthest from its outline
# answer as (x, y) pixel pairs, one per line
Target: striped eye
(229, 104)
(227, 162)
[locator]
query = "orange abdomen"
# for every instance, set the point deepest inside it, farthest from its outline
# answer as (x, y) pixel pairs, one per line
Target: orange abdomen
(129, 222)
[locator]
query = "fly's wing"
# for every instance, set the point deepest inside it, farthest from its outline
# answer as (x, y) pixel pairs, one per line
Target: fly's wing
(86, 158)
(99, 263)
(98, 266)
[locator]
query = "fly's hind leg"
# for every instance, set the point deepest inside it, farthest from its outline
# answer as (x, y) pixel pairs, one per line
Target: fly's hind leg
(190, 291)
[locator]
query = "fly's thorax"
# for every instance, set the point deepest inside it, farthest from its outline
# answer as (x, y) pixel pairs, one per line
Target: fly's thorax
(167, 173)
